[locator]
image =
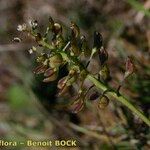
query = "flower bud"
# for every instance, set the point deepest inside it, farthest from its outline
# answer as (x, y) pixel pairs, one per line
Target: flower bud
(55, 61)
(103, 102)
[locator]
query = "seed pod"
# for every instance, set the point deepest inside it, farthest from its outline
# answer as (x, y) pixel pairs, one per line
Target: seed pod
(55, 61)
(40, 69)
(63, 91)
(75, 30)
(130, 68)
(98, 40)
(49, 72)
(57, 28)
(84, 47)
(52, 77)
(105, 73)
(62, 82)
(77, 106)
(103, 55)
(94, 96)
(103, 102)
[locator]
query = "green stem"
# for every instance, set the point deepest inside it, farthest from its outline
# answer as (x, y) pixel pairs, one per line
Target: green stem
(103, 87)
(119, 98)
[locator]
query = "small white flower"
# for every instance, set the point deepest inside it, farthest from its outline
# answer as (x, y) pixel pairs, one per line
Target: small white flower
(16, 39)
(33, 24)
(30, 51)
(33, 48)
(22, 27)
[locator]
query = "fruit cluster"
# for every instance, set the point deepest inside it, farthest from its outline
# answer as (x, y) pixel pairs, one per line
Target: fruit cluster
(58, 52)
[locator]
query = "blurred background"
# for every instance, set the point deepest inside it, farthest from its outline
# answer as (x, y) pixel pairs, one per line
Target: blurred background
(27, 105)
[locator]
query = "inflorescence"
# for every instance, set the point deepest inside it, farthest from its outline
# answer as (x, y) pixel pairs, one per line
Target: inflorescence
(58, 52)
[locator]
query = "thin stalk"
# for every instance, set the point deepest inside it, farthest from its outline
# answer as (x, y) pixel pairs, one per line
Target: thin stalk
(119, 98)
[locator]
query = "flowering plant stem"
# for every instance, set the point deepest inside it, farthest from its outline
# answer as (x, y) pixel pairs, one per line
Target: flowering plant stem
(119, 98)
(101, 86)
